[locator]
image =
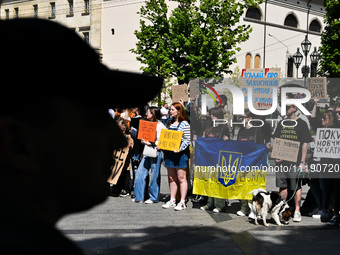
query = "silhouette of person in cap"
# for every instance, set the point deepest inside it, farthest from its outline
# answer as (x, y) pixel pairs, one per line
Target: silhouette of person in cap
(56, 135)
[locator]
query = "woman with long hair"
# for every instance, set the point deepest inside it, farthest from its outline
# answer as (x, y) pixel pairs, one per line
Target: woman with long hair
(150, 163)
(320, 186)
(176, 162)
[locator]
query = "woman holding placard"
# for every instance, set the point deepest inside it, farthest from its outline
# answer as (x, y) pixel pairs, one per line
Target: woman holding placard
(177, 161)
(320, 186)
(152, 158)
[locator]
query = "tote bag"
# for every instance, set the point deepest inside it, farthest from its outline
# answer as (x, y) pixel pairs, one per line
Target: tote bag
(150, 151)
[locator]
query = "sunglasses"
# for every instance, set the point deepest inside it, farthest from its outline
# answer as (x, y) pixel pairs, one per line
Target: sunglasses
(337, 112)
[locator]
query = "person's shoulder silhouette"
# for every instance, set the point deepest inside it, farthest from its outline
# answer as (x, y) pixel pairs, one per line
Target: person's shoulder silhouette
(56, 135)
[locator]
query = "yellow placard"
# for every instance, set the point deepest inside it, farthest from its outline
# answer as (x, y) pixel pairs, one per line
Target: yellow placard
(170, 140)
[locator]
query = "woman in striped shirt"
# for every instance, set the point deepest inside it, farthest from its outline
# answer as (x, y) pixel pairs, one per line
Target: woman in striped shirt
(177, 161)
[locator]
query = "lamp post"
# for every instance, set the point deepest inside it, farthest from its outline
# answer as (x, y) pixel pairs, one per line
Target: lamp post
(305, 46)
(297, 60)
(315, 57)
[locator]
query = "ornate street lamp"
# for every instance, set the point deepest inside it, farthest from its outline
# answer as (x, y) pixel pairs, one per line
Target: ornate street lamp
(297, 60)
(314, 58)
(305, 46)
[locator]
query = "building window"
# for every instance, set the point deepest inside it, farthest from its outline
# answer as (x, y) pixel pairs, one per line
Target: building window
(16, 13)
(290, 67)
(254, 13)
(7, 13)
(315, 26)
(53, 10)
(86, 36)
(291, 21)
(86, 6)
(248, 61)
(70, 8)
(35, 10)
(257, 61)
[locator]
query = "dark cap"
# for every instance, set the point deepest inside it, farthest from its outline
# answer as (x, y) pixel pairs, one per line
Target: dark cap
(43, 58)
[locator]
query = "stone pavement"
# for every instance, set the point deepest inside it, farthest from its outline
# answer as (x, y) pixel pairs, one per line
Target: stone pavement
(119, 226)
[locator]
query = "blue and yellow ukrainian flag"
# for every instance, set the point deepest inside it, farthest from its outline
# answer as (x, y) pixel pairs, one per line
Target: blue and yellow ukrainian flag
(229, 169)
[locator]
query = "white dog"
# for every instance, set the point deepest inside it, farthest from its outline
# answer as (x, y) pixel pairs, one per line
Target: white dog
(265, 202)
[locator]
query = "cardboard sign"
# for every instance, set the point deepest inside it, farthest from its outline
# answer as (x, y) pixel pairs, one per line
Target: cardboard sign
(147, 130)
(120, 161)
(194, 87)
(180, 92)
(327, 143)
(285, 149)
(170, 140)
(317, 87)
(260, 81)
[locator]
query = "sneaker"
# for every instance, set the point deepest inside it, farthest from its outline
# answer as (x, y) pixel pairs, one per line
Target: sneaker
(168, 205)
(317, 215)
(124, 193)
(315, 211)
(149, 201)
(333, 221)
(136, 201)
(321, 214)
(297, 217)
(180, 206)
(204, 208)
(240, 213)
(217, 210)
(196, 199)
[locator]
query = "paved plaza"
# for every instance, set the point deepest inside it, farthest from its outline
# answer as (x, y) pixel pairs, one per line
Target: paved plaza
(119, 226)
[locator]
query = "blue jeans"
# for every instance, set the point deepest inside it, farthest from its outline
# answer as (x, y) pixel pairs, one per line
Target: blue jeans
(153, 164)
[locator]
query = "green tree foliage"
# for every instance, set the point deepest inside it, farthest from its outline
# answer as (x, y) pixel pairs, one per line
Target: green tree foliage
(330, 49)
(197, 39)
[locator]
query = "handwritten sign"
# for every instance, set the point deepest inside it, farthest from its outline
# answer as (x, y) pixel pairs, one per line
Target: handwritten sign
(285, 149)
(261, 81)
(180, 92)
(170, 140)
(327, 143)
(119, 156)
(317, 87)
(147, 130)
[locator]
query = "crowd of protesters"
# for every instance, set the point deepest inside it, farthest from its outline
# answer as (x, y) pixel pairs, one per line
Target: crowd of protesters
(323, 196)
(147, 157)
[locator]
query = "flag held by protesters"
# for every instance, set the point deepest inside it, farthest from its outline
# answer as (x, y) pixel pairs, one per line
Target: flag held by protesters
(229, 169)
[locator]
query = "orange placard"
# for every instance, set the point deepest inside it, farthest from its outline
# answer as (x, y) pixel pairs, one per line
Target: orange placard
(147, 130)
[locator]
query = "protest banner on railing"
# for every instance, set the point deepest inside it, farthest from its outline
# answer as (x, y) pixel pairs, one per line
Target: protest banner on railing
(327, 143)
(285, 149)
(229, 169)
(147, 130)
(170, 140)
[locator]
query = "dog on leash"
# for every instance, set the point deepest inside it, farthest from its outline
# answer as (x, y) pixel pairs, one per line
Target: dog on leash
(265, 203)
